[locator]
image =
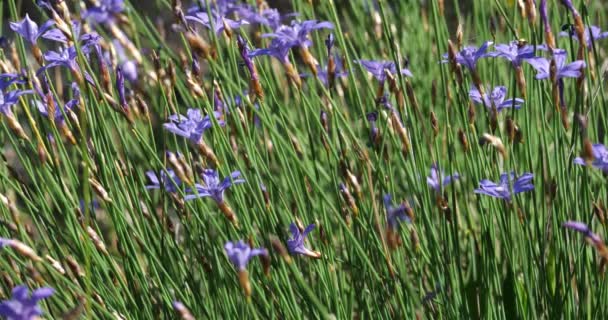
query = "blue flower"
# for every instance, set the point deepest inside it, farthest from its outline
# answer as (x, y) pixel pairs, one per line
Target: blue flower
(8, 99)
(278, 49)
(29, 30)
(469, 56)
(120, 87)
(296, 35)
(268, 17)
(584, 229)
(513, 52)
(213, 187)
(129, 67)
(323, 75)
(8, 79)
(502, 189)
(496, 99)
(105, 12)
(395, 215)
(437, 179)
(590, 32)
(166, 179)
(600, 158)
(66, 58)
(240, 253)
(22, 306)
(192, 126)
(59, 36)
(542, 66)
(219, 23)
(379, 68)
(296, 243)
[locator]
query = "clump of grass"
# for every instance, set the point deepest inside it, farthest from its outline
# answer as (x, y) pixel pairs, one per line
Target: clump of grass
(362, 159)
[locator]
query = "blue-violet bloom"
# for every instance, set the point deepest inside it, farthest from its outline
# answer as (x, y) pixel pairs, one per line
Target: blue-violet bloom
(502, 190)
(22, 306)
(296, 243)
(8, 99)
(438, 179)
(213, 187)
(191, 126)
(584, 229)
(379, 69)
(542, 66)
(469, 56)
(105, 12)
(514, 52)
(591, 32)
(296, 35)
(496, 98)
(600, 158)
(395, 215)
(166, 179)
(240, 253)
(29, 30)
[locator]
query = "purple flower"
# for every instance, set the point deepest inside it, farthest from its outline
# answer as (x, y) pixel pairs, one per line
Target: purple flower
(29, 30)
(59, 112)
(542, 66)
(65, 58)
(268, 17)
(120, 86)
(395, 215)
(223, 7)
(543, 15)
(437, 179)
(213, 187)
(296, 35)
(568, 4)
(191, 126)
(323, 75)
(240, 253)
(59, 36)
(469, 56)
(600, 158)
(502, 189)
(591, 32)
(379, 68)
(245, 54)
(105, 12)
(7, 79)
(584, 229)
(22, 306)
(278, 49)
(219, 23)
(513, 52)
(166, 179)
(8, 99)
(129, 67)
(372, 117)
(296, 243)
(496, 98)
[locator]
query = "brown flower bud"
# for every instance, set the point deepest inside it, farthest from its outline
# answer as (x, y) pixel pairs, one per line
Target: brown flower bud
(495, 142)
(74, 267)
(227, 211)
(463, 140)
(100, 190)
(278, 246)
(97, 240)
(434, 124)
